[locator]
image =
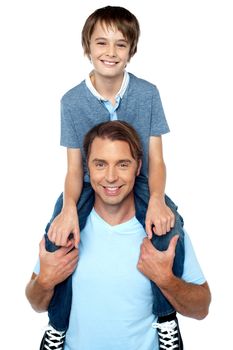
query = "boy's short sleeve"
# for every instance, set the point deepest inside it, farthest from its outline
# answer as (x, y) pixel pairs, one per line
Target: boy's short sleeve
(68, 133)
(159, 125)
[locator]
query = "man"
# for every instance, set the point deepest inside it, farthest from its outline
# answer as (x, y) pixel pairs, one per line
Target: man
(113, 297)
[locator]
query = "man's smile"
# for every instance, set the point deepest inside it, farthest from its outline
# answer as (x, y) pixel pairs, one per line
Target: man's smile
(112, 190)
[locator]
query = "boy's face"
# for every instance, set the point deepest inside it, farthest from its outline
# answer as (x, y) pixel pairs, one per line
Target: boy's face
(109, 51)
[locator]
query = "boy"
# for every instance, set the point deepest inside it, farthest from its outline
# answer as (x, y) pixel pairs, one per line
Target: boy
(109, 39)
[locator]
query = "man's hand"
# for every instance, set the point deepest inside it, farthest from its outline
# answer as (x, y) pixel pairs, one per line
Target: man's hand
(63, 225)
(159, 218)
(57, 266)
(157, 265)
(191, 300)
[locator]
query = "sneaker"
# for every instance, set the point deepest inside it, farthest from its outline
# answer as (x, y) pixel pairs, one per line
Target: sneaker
(169, 335)
(52, 339)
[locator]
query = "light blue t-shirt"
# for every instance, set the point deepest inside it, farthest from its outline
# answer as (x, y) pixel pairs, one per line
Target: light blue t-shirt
(112, 301)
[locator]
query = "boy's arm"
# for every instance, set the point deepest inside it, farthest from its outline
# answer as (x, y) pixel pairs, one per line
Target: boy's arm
(54, 268)
(158, 214)
(67, 221)
(74, 177)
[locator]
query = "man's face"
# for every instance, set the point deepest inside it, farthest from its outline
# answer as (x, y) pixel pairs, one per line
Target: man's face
(112, 171)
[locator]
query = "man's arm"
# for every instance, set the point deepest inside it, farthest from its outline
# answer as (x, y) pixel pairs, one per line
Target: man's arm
(38, 295)
(191, 300)
(54, 268)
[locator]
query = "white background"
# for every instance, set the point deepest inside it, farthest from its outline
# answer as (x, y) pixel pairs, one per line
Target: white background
(186, 50)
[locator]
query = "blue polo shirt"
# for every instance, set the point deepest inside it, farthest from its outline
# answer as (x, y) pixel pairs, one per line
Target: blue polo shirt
(112, 109)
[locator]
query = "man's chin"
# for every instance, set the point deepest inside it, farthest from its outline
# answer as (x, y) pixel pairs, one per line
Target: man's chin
(112, 200)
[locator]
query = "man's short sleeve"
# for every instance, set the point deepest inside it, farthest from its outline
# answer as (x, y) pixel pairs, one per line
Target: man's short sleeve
(192, 271)
(36, 269)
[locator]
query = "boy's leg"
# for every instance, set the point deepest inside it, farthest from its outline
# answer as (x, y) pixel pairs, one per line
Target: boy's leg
(162, 307)
(60, 305)
(141, 195)
(85, 204)
(167, 322)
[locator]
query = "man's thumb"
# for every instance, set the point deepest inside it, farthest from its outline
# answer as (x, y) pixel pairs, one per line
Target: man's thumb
(42, 246)
(172, 244)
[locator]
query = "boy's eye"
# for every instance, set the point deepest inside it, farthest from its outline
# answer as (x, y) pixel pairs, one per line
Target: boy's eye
(121, 45)
(101, 43)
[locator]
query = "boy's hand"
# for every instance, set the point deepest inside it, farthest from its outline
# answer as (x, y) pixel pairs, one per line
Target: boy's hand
(159, 218)
(62, 226)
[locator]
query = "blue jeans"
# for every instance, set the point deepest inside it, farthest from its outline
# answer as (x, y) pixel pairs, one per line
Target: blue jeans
(60, 305)
(161, 306)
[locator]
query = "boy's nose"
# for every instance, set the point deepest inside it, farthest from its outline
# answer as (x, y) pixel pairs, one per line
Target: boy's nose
(111, 52)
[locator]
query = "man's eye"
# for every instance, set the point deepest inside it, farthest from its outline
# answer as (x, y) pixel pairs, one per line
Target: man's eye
(124, 165)
(99, 165)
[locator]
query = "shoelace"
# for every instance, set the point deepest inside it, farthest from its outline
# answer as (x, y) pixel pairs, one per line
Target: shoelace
(167, 332)
(54, 339)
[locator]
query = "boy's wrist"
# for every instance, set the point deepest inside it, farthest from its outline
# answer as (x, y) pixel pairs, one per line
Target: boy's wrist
(69, 205)
(158, 197)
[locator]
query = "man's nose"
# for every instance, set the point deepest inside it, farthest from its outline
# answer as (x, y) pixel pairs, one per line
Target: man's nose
(111, 174)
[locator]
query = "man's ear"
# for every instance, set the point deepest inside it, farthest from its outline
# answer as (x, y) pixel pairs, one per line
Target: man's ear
(139, 167)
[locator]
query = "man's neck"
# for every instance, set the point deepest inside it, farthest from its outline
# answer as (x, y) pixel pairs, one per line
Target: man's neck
(115, 214)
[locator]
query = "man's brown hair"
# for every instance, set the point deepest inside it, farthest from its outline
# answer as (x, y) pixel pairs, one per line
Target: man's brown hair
(116, 130)
(112, 16)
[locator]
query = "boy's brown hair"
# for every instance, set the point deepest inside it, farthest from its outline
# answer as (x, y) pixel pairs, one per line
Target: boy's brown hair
(116, 130)
(115, 16)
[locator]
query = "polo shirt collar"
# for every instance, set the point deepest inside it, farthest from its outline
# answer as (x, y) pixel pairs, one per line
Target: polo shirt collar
(120, 93)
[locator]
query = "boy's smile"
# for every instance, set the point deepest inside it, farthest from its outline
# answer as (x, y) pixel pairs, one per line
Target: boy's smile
(109, 51)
